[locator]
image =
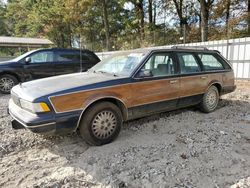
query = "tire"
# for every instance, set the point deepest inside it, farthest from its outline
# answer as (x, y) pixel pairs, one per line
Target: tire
(96, 124)
(7, 82)
(210, 100)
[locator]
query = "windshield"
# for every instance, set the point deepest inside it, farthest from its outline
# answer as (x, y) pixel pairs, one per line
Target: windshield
(119, 64)
(23, 55)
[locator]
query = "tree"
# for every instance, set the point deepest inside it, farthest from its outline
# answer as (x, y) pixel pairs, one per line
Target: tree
(205, 10)
(248, 15)
(222, 12)
(17, 17)
(122, 24)
(183, 20)
(140, 14)
(228, 4)
(3, 28)
(51, 15)
(106, 23)
(150, 12)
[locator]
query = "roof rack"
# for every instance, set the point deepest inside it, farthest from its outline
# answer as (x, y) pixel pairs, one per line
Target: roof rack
(190, 47)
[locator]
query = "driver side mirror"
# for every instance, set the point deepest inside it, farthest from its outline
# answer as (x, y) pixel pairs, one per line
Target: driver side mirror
(144, 73)
(27, 60)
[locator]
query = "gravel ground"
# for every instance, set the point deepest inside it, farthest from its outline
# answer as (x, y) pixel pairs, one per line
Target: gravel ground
(183, 148)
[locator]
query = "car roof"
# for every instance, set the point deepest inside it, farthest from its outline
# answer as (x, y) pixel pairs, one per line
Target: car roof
(62, 49)
(68, 49)
(147, 50)
(174, 48)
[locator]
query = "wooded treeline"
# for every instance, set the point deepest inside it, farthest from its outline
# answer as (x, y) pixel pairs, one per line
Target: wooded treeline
(121, 24)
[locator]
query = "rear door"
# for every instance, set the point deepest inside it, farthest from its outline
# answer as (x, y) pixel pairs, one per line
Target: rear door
(41, 64)
(67, 61)
(192, 82)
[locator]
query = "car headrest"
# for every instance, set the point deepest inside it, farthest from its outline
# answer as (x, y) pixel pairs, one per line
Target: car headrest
(162, 67)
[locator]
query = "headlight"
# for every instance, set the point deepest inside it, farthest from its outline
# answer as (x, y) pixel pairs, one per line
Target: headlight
(34, 107)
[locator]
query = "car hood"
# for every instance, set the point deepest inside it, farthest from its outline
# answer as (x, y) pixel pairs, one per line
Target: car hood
(4, 63)
(61, 84)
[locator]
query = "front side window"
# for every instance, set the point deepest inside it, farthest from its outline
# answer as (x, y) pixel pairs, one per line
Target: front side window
(210, 62)
(122, 64)
(160, 65)
(41, 57)
(188, 63)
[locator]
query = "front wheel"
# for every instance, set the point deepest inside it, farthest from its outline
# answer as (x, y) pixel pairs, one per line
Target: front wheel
(210, 100)
(101, 123)
(7, 82)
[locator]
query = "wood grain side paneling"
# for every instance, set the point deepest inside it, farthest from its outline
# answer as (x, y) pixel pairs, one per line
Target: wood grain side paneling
(75, 101)
(153, 91)
(193, 85)
(134, 94)
(141, 92)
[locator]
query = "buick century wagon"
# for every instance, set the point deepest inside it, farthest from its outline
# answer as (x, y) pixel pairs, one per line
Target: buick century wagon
(122, 87)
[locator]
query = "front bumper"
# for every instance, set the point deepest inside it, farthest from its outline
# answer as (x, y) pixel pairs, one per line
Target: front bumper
(44, 123)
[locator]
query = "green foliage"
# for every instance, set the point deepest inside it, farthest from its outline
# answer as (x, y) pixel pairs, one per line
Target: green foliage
(3, 28)
(69, 22)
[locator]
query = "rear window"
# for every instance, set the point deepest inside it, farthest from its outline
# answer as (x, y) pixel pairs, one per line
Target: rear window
(89, 56)
(210, 62)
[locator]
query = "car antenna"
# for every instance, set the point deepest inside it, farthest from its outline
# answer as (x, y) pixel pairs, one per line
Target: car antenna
(80, 45)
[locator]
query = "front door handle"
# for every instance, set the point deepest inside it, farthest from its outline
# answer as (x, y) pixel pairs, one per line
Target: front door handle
(173, 81)
(204, 77)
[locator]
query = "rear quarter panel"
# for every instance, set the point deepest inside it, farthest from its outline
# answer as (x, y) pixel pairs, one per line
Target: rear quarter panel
(228, 78)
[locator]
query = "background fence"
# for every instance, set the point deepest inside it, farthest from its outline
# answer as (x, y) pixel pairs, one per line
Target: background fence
(5, 58)
(237, 51)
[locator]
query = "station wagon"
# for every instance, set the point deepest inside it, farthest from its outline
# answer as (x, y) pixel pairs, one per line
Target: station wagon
(122, 87)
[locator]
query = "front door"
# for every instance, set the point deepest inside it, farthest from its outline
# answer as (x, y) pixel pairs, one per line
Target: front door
(40, 65)
(159, 90)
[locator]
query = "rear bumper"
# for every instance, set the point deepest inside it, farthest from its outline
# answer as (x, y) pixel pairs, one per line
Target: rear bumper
(47, 123)
(228, 89)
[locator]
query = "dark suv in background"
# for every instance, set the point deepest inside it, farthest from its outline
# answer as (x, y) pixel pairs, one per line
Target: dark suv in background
(44, 63)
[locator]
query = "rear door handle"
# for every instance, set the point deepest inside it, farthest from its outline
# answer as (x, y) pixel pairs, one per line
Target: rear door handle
(173, 81)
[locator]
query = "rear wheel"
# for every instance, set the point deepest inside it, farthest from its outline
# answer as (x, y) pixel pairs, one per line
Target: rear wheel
(210, 100)
(101, 123)
(7, 82)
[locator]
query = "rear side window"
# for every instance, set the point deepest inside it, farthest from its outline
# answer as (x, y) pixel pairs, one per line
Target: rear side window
(188, 63)
(210, 62)
(67, 57)
(75, 57)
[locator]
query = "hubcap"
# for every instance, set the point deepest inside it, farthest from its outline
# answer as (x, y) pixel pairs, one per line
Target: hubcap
(211, 99)
(104, 124)
(6, 84)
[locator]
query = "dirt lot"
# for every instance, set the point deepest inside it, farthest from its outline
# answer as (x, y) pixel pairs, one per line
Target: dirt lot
(184, 148)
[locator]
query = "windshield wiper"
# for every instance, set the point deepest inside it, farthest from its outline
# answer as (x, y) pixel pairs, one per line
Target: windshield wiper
(104, 72)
